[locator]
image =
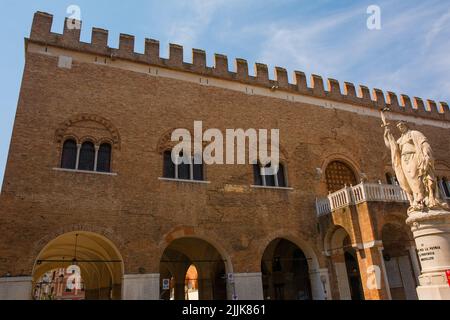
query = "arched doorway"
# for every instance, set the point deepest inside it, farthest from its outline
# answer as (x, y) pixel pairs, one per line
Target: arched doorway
(345, 263)
(60, 284)
(398, 259)
(339, 175)
(353, 275)
(285, 272)
(191, 288)
(192, 268)
(78, 265)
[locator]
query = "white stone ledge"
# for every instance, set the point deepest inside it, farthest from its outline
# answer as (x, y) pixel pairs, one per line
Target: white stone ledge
(272, 188)
(86, 172)
(184, 181)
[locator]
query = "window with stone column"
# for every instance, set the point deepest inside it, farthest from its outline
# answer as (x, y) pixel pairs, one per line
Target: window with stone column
(264, 177)
(182, 171)
(87, 143)
(69, 155)
(86, 156)
(444, 185)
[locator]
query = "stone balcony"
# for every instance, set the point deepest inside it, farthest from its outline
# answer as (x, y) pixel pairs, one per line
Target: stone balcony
(363, 192)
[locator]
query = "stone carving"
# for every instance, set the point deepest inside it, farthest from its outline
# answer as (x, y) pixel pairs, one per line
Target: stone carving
(85, 121)
(413, 163)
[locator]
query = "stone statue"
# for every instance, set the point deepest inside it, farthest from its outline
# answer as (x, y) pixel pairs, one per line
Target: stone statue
(413, 163)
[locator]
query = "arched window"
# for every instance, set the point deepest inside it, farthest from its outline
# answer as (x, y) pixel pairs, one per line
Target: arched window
(104, 158)
(269, 180)
(69, 155)
(391, 179)
(339, 175)
(198, 172)
(87, 157)
(169, 166)
(388, 178)
(183, 171)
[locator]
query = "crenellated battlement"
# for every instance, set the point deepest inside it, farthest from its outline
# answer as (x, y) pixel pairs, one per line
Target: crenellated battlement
(70, 39)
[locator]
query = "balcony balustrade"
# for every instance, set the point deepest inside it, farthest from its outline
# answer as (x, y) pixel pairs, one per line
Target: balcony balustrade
(363, 192)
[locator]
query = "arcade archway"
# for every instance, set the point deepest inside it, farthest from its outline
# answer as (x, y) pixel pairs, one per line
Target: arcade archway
(398, 256)
(78, 265)
(345, 262)
(285, 272)
(192, 268)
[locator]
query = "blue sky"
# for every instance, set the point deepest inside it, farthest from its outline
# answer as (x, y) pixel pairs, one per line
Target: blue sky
(410, 54)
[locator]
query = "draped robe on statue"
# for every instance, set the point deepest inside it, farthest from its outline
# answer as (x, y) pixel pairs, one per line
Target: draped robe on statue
(415, 151)
(397, 166)
(413, 163)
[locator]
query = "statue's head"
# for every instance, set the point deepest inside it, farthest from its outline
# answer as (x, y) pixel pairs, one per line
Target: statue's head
(402, 126)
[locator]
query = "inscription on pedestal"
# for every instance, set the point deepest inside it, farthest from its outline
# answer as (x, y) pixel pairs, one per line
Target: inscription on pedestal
(433, 252)
(428, 253)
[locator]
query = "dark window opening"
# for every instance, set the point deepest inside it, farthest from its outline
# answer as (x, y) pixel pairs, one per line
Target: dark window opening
(388, 178)
(446, 187)
(281, 177)
(391, 179)
(354, 277)
(169, 166)
(69, 155)
(104, 158)
(182, 171)
(87, 157)
(198, 172)
(257, 175)
(270, 180)
(274, 180)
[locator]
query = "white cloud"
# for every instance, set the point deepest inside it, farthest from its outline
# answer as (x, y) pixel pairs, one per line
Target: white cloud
(304, 45)
(393, 59)
(197, 15)
(443, 23)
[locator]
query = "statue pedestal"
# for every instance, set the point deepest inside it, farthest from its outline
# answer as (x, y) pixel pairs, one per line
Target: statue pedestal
(432, 235)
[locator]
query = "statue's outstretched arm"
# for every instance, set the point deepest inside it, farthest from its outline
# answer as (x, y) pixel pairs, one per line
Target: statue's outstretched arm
(388, 137)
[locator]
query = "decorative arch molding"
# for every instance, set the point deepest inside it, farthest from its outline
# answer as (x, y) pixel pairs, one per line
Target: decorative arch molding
(71, 136)
(105, 140)
(61, 131)
(344, 159)
(87, 139)
(284, 155)
(442, 166)
(330, 237)
(181, 232)
(107, 233)
(401, 233)
(165, 143)
(397, 221)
